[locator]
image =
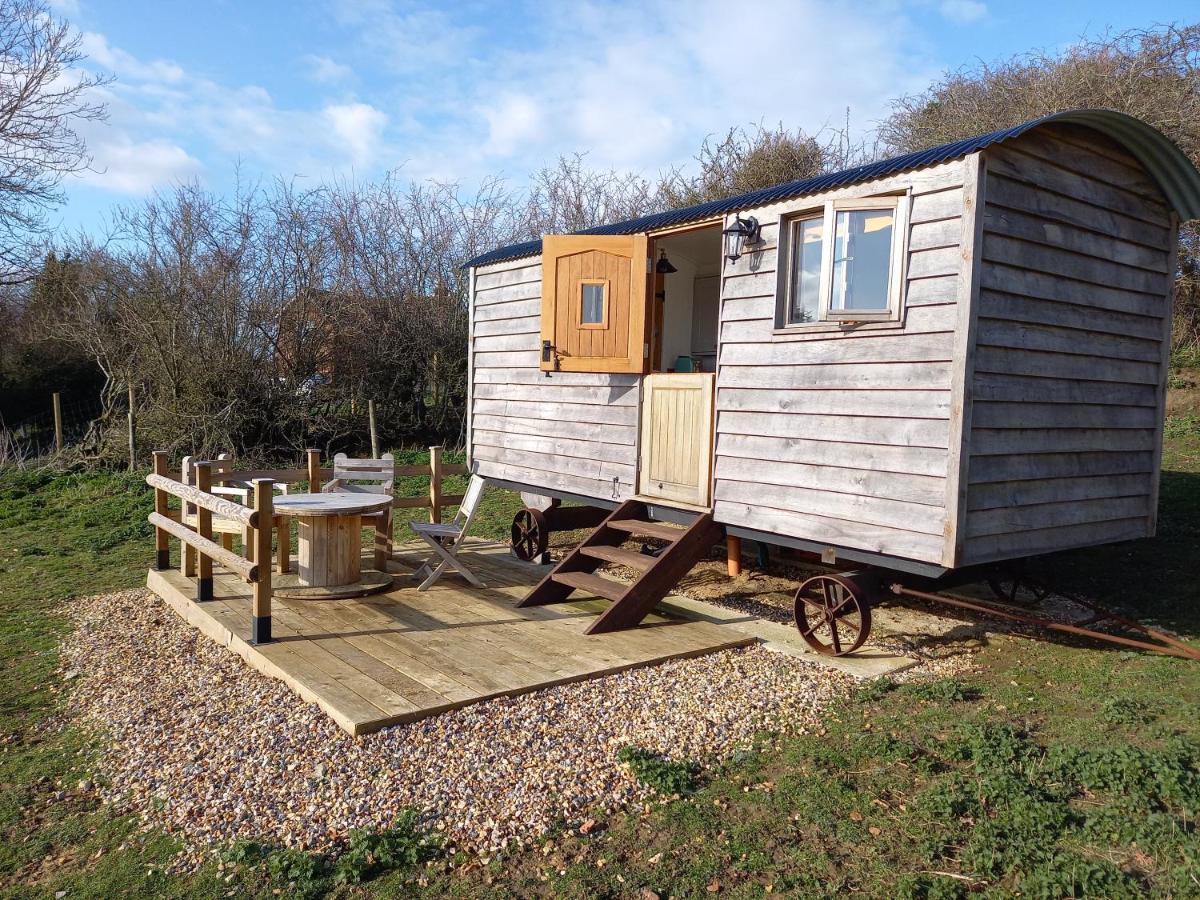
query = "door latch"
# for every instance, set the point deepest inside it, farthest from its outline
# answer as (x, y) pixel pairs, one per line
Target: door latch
(550, 352)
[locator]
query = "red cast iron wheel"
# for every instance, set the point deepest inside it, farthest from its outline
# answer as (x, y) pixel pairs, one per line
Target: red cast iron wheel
(833, 614)
(530, 536)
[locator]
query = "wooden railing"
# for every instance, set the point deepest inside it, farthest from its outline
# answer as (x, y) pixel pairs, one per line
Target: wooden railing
(436, 471)
(259, 519)
(315, 474)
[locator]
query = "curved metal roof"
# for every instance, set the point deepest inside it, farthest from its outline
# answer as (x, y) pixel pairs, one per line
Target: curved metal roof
(1174, 172)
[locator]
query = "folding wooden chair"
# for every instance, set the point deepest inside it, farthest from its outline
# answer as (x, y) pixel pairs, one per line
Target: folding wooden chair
(435, 535)
(369, 476)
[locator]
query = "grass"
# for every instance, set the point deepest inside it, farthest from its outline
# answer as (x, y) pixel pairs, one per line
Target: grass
(1055, 769)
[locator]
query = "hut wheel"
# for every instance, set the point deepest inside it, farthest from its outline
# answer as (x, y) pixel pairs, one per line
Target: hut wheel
(530, 534)
(833, 613)
(1017, 588)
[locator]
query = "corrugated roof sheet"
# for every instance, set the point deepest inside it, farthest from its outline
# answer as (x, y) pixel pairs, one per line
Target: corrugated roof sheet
(1175, 174)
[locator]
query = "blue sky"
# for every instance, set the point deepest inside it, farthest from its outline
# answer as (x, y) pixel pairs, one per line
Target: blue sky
(320, 89)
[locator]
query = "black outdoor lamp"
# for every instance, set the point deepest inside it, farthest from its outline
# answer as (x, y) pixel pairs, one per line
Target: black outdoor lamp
(663, 266)
(740, 233)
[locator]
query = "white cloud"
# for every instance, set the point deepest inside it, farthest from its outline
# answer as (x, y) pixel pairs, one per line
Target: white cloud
(638, 87)
(358, 129)
(125, 65)
(126, 166)
(324, 70)
(963, 11)
(514, 120)
(461, 96)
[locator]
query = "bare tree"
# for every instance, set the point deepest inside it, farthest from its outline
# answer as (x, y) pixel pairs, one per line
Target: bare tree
(567, 196)
(43, 98)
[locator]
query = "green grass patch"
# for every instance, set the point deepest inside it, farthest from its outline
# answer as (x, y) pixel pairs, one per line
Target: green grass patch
(662, 775)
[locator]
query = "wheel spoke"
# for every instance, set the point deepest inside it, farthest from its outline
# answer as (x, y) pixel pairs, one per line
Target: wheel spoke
(815, 604)
(833, 612)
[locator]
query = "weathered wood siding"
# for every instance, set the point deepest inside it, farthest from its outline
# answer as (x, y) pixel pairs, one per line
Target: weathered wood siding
(842, 437)
(1068, 370)
(572, 432)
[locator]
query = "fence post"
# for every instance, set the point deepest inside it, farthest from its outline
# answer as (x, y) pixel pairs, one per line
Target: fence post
(314, 471)
(260, 614)
(56, 403)
(204, 575)
(374, 434)
(162, 547)
(132, 433)
(435, 484)
(187, 553)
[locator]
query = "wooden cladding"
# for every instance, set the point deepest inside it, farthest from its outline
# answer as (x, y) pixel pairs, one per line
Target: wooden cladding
(594, 303)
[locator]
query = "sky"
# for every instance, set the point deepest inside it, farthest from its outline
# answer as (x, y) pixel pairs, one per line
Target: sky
(312, 90)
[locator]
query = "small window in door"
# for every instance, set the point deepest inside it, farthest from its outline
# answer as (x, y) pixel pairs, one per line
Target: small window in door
(593, 304)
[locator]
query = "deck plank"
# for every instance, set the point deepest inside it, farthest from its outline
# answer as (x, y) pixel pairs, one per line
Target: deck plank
(371, 662)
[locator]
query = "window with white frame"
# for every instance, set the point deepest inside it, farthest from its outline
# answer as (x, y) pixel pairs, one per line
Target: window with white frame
(843, 262)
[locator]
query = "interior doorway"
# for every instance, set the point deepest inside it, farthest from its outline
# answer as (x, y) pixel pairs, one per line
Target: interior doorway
(685, 303)
(675, 452)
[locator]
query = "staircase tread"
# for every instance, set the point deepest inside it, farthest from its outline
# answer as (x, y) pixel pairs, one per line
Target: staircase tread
(622, 557)
(595, 584)
(650, 529)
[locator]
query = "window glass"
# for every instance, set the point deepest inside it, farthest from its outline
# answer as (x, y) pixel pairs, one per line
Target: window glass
(862, 256)
(807, 245)
(593, 305)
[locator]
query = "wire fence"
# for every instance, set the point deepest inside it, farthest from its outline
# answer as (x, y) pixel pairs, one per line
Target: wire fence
(38, 435)
(380, 424)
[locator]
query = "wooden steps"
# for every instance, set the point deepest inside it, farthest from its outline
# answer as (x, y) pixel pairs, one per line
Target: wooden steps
(630, 559)
(657, 574)
(593, 584)
(648, 529)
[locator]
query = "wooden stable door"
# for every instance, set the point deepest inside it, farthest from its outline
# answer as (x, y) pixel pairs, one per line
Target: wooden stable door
(594, 303)
(676, 445)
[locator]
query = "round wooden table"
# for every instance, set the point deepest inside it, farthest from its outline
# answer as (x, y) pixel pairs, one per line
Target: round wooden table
(330, 545)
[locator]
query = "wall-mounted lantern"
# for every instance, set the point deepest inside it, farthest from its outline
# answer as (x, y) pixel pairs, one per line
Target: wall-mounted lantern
(739, 234)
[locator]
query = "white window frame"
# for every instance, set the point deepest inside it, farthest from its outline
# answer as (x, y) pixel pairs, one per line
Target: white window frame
(826, 315)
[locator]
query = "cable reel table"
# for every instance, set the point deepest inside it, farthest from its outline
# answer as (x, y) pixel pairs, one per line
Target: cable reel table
(330, 545)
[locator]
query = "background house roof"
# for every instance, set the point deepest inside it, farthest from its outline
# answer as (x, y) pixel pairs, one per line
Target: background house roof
(1174, 172)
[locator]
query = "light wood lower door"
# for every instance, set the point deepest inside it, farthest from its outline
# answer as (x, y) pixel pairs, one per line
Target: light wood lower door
(676, 443)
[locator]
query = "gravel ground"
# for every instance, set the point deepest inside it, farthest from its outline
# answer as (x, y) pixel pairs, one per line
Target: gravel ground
(201, 745)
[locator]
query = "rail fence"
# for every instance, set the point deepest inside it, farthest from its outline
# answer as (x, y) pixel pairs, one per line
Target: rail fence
(184, 507)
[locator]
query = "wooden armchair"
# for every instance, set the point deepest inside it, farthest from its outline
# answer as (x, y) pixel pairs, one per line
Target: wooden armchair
(369, 476)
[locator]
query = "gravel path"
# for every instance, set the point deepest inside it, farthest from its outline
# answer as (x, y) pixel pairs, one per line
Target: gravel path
(203, 746)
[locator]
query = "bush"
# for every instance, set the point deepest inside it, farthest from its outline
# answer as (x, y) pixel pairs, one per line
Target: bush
(662, 775)
(371, 854)
(875, 689)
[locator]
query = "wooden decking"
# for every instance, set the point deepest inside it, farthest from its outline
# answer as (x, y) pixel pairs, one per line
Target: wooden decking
(370, 662)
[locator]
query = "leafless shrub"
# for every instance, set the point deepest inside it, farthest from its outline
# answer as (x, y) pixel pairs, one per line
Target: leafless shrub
(745, 160)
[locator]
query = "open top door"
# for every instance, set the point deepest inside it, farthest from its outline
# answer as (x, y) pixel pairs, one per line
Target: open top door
(594, 303)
